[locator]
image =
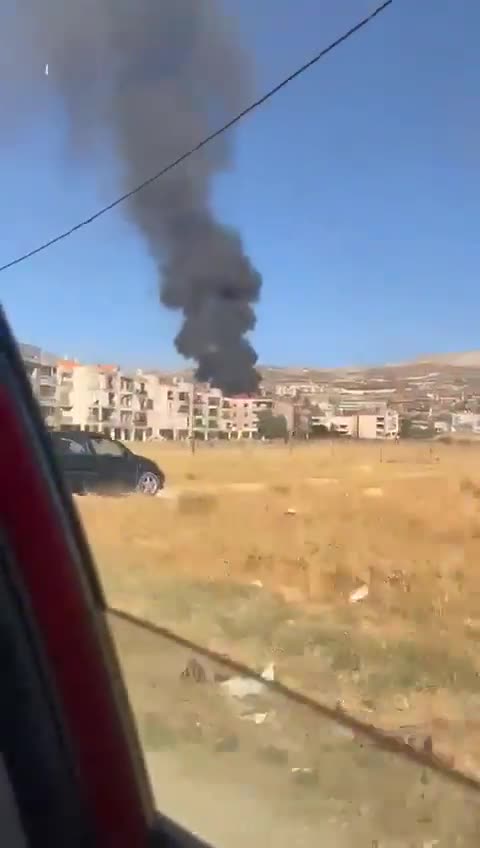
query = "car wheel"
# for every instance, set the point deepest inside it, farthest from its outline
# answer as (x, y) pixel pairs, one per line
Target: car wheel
(149, 483)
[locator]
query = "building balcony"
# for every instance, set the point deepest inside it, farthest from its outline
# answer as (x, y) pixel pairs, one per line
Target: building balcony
(64, 398)
(47, 400)
(107, 400)
(47, 380)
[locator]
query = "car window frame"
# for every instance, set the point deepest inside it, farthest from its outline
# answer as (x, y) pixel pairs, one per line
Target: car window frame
(72, 439)
(123, 451)
(122, 775)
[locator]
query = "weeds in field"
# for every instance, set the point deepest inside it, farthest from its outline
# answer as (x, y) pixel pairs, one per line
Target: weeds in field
(190, 563)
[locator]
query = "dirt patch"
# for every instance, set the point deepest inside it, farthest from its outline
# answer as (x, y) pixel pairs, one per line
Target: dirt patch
(246, 487)
(322, 481)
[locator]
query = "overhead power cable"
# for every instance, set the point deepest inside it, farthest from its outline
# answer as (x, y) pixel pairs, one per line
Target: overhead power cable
(235, 120)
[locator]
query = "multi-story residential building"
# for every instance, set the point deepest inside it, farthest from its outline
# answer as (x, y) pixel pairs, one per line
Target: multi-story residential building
(360, 405)
(138, 405)
(103, 399)
(216, 416)
(93, 395)
(297, 388)
(208, 420)
(244, 414)
(361, 426)
(383, 426)
(465, 421)
(41, 369)
(171, 415)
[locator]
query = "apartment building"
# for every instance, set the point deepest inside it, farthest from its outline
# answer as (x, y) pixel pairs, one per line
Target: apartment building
(465, 421)
(359, 405)
(383, 426)
(41, 368)
(138, 406)
(360, 426)
(216, 416)
(105, 399)
(245, 413)
(172, 407)
(297, 388)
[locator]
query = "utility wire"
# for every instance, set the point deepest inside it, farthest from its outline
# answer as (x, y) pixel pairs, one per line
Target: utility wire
(381, 739)
(202, 143)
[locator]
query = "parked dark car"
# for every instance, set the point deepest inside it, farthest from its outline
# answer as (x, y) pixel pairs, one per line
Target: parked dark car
(92, 462)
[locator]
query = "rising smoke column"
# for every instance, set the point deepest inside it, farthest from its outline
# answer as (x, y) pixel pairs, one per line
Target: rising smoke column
(155, 77)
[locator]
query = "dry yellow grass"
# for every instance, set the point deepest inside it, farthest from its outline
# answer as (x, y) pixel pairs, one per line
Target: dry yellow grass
(310, 524)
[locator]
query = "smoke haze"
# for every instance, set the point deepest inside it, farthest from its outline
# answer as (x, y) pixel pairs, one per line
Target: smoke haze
(156, 76)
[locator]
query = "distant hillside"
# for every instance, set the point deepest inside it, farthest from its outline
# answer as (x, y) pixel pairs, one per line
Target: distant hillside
(434, 361)
(469, 359)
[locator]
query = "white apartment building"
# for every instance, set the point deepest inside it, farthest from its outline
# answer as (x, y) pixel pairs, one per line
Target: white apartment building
(382, 426)
(294, 389)
(103, 399)
(41, 369)
(139, 406)
(465, 421)
(361, 426)
(172, 407)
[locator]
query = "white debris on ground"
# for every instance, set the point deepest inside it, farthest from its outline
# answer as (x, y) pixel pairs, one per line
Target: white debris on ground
(304, 775)
(373, 492)
(242, 687)
(290, 511)
(257, 718)
(257, 583)
(269, 672)
(358, 594)
(245, 687)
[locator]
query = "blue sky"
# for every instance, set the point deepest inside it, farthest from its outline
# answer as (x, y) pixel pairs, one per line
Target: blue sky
(357, 193)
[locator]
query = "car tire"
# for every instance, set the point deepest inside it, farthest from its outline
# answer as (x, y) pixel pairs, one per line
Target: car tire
(149, 484)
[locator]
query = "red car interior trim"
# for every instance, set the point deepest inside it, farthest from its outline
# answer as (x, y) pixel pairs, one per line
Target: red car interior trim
(49, 570)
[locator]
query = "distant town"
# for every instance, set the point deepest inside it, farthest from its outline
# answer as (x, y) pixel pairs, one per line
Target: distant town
(434, 398)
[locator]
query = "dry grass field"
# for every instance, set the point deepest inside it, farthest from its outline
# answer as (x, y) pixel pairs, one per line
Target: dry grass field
(254, 551)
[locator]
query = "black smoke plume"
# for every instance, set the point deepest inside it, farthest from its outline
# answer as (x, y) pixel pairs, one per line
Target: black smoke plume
(154, 77)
